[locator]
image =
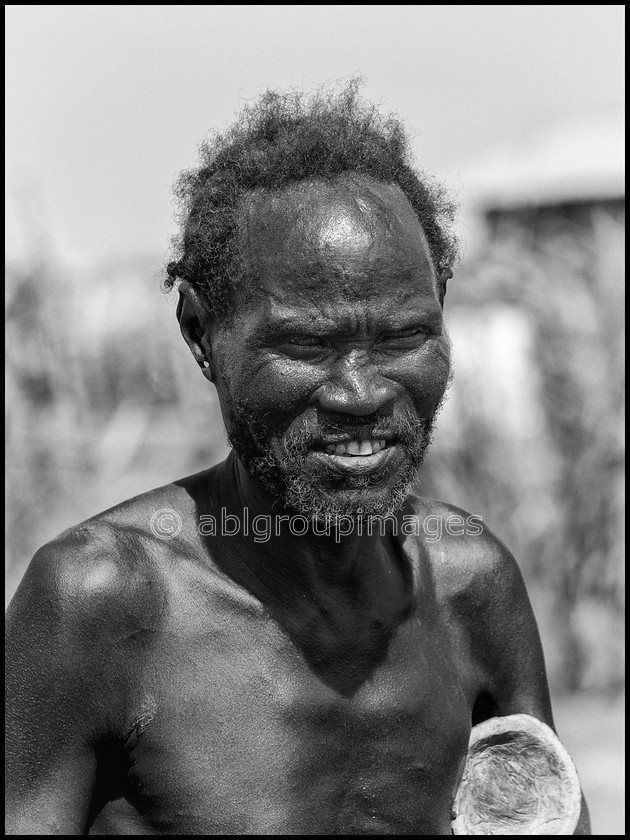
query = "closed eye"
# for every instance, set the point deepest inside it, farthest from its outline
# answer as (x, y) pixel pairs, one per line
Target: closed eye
(313, 347)
(303, 346)
(404, 340)
(304, 340)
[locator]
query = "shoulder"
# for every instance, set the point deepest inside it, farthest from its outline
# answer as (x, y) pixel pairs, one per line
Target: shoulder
(480, 588)
(112, 567)
(119, 567)
(93, 577)
(471, 567)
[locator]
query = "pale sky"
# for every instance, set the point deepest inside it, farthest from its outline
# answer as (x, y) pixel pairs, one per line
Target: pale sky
(106, 104)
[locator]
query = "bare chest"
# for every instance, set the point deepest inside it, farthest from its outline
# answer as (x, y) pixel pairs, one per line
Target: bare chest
(244, 734)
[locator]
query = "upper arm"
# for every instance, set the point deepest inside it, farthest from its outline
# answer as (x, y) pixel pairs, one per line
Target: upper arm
(65, 680)
(506, 643)
(505, 637)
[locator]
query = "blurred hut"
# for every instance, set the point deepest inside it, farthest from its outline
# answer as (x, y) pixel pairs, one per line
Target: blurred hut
(563, 175)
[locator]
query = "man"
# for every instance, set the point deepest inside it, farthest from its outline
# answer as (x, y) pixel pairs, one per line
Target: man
(296, 657)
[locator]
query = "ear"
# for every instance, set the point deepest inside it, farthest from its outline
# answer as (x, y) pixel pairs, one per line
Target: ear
(194, 318)
(444, 275)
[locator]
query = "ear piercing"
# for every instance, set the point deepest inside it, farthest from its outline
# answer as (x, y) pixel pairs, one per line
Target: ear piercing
(198, 353)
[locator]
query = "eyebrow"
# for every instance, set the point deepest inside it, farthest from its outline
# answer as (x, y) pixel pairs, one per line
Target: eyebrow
(300, 322)
(317, 324)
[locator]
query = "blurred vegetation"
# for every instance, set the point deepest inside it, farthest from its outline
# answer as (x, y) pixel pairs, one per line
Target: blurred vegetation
(532, 435)
(104, 402)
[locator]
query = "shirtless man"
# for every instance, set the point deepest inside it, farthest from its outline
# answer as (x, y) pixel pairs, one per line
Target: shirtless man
(323, 681)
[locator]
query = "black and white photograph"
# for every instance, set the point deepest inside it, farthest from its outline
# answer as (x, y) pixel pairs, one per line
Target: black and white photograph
(314, 414)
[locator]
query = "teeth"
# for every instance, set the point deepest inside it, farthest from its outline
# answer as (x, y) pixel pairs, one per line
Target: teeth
(355, 447)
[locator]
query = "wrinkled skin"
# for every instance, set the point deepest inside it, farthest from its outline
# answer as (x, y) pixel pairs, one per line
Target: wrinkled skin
(316, 684)
(340, 325)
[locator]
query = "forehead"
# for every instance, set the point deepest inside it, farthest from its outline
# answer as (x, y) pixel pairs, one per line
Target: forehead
(353, 237)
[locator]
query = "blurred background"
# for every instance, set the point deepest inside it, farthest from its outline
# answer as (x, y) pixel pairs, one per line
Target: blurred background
(519, 109)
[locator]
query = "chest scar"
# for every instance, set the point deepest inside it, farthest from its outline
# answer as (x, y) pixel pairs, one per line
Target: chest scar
(142, 719)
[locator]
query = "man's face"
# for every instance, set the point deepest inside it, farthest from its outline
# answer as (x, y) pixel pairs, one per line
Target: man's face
(335, 362)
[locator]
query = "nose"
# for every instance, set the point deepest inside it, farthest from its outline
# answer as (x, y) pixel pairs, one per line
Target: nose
(355, 386)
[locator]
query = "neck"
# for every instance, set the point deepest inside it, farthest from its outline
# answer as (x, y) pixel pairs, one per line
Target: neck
(331, 593)
(334, 550)
(267, 540)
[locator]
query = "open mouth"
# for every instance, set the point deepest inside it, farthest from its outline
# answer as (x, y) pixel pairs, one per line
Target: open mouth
(356, 456)
(356, 448)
